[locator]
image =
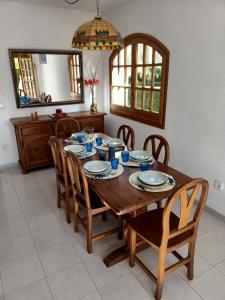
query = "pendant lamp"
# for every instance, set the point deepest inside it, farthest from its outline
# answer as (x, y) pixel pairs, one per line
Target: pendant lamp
(97, 34)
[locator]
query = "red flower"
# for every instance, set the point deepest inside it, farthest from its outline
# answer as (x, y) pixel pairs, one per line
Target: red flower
(78, 80)
(90, 82)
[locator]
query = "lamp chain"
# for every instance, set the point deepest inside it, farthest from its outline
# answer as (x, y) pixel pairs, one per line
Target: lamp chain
(98, 12)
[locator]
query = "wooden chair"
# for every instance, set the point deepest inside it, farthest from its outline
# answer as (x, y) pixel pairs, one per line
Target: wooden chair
(127, 134)
(64, 190)
(65, 127)
(158, 144)
(86, 199)
(166, 232)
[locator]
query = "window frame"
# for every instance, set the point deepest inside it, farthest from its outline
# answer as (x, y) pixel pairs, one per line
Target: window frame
(28, 75)
(74, 72)
(146, 117)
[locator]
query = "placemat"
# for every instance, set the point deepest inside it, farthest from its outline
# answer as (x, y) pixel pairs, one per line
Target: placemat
(113, 174)
(134, 182)
(132, 163)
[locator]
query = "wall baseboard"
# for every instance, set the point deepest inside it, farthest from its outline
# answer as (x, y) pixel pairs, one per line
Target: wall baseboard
(215, 213)
(10, 165)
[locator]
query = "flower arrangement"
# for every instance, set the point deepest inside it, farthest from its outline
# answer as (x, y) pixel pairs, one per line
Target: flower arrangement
(92, 82)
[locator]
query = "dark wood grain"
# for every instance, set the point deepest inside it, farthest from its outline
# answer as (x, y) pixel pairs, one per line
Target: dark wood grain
(33, 135)
(123, 199)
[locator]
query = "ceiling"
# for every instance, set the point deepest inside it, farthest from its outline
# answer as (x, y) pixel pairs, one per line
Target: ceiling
(88, 5)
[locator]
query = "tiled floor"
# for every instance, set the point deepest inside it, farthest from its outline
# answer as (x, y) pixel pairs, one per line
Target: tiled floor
(41, 257)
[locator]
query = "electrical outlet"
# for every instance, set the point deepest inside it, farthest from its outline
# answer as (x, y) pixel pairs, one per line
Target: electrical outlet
(218, 185)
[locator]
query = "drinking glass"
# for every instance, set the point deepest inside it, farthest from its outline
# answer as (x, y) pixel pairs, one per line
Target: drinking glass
(90, 132)
(102, 155)
(144, 166)
(114, 163)
(98, 141)
(112, 152)
(125, 156)
(89, 147)
(80, 139)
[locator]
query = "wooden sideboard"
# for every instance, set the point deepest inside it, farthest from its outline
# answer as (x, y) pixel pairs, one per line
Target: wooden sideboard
(32, 136)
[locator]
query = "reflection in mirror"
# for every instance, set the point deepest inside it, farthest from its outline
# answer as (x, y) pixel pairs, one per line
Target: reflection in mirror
(46, 77)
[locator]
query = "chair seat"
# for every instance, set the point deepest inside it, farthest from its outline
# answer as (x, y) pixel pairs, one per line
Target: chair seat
(149, 226)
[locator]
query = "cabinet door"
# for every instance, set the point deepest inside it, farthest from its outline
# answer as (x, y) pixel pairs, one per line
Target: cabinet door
(37, 151)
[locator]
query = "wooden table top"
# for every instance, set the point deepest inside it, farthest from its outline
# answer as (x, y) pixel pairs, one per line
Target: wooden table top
(121, 197)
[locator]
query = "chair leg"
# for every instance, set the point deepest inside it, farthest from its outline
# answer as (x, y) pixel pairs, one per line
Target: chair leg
(133, 237)
(67, 202)
(89, 234)
(161, 275)
(190, 265)
(104, 216)
(120, 226)
(58, 194)
(76, 220)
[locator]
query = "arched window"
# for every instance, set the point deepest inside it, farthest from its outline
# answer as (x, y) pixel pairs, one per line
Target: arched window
(138, 79)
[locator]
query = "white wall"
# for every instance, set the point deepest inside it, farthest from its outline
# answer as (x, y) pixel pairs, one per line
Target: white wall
(194, 32)
(30, 26)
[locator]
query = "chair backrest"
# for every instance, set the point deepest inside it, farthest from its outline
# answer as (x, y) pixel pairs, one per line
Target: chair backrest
(78, 180)
(65, 127)
(158, 145)
(59, 158)
(190, 210)
(127, 134)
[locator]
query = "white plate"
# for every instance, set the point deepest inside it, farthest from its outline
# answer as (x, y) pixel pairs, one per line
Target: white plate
(96, 166)
(74, 148)
(152, 178)
(76, 134)
(113, 142)
(138, 161)
(140, 155)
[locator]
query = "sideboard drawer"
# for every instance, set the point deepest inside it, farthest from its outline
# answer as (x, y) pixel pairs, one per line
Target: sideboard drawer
(97, 123)
(38, 129)
(33, 136)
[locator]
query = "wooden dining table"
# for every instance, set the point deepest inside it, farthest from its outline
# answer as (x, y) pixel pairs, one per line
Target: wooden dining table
(124, 199)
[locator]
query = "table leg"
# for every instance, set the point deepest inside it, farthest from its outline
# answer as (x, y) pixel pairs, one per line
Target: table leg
(123, 252)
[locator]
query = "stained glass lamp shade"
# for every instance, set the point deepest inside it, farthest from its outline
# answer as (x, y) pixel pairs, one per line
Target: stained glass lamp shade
(97, 35)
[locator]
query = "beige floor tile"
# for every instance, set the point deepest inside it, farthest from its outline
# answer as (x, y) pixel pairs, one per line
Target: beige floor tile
(102, 275)
(126, 288)
(13, 228)
(21, 273)
(49, 236)
(210, 285)
(58, 257)
(10, 211)
(35, 291)
(210, 248)
(41, 217)
(72, 283)
(93, 296)
(12, 249)
(221, 267)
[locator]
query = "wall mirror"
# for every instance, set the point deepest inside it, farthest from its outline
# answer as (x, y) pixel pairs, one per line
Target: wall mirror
(46, 77)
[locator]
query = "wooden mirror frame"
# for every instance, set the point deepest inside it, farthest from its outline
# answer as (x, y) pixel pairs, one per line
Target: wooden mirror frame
(43, 51)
